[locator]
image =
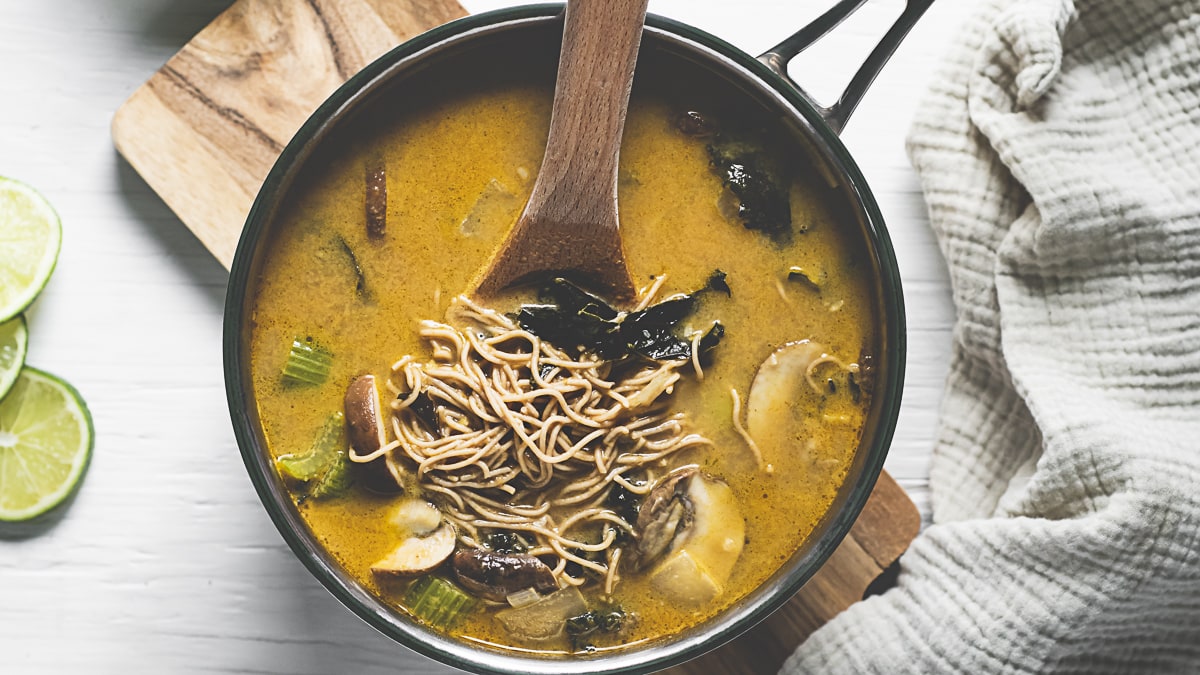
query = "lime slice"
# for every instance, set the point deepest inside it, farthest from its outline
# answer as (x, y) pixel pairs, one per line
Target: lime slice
(45, 444)
(30, 236)
(14, 338)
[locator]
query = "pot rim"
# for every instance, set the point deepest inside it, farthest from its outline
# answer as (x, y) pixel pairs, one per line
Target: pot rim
(727, 624)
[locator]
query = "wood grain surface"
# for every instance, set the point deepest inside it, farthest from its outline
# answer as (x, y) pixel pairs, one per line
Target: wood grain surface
(205, 129)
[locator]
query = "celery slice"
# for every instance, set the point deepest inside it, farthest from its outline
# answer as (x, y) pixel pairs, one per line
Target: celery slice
(337, 478)
(307, 364)
(437, 602)
(321, 456)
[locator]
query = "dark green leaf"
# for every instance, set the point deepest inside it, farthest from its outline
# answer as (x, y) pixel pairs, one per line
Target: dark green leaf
(763, 203)
(506, 542)
(426, 412)
(716, 282)
(659, 344)
(809, 278)
(612, 621)
(852, 385)
(572, 298)
(360, 279)
(583, 624)
(665, 314)
(712, 338)
(565, 328)
(624, 503)
(578, 320)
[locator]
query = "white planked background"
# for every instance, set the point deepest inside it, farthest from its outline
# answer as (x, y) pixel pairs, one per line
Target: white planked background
(166, 562)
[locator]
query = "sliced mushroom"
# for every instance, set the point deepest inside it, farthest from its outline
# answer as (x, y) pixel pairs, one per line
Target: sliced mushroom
(418, 555)
(416, 517)
(778, 381)
(770, 408)
(496, 576)
(797, 376)
(367, 434)
(718, 530)
(700, 522)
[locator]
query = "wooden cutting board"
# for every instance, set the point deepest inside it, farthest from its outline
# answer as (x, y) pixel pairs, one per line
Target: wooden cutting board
(205, 129)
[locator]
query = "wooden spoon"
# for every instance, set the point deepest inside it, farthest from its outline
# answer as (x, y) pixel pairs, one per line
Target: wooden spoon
(569, 226)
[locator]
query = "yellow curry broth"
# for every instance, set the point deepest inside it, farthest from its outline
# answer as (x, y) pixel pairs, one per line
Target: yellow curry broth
(438, 161)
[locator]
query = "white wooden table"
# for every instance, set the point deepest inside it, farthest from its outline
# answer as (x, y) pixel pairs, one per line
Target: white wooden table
(166, 562)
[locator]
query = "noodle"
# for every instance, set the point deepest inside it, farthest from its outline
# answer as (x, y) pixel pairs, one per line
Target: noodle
(737, 426)
(812, 367)
(532, 439)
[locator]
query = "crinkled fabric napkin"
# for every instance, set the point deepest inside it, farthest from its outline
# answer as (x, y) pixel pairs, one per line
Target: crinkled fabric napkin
(1059, 151)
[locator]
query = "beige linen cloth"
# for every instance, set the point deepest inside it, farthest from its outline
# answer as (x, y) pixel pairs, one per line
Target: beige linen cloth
(1059, 151)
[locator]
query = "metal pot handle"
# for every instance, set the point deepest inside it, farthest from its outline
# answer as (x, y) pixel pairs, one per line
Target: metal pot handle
(777, 57)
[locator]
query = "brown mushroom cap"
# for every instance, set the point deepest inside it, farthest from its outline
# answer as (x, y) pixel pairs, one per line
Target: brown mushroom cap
(366, 432)
(364, 424)
(498, 575)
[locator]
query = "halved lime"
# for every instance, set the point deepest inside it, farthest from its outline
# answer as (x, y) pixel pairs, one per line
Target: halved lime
(30, 236)
(14, 339)
(45, 444)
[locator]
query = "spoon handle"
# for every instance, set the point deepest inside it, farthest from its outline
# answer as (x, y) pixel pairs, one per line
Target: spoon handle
(578, 183)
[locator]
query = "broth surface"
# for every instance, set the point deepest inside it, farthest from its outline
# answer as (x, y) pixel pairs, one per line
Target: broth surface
(459, 167)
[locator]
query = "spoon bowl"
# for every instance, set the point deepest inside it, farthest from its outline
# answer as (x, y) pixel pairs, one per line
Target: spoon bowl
(569, 226)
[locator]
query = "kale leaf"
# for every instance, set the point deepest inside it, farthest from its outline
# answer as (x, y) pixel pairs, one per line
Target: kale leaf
(763, 203)
(717, 282)
(574, 318)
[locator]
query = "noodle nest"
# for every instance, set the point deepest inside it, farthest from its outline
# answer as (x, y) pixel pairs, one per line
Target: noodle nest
(531, 439)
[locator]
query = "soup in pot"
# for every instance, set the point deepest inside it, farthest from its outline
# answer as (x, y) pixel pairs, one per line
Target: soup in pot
(545, 471)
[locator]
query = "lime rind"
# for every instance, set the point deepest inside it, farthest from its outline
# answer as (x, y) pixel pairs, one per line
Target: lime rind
(30, 240)
(14, 341)
(63, 466)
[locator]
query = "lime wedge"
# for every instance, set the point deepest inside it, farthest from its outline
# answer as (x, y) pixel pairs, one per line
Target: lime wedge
(14, 338)
(45, 444)
(30, 236)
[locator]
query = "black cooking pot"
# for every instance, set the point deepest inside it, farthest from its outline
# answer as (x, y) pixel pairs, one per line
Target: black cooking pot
(471, 43)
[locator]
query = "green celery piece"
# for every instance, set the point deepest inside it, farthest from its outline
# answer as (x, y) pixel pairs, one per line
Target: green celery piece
(330, 441)
(437, 602)
(337, 478)
(307, 364)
